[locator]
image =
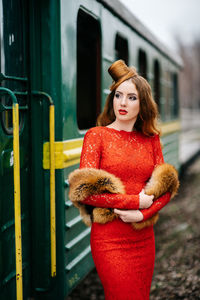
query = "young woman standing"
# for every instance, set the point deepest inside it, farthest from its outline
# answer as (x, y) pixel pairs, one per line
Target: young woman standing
(125, 143)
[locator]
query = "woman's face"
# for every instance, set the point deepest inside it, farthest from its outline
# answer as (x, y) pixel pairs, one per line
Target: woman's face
(126, 103)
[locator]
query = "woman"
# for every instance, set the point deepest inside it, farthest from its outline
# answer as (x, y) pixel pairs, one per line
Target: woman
(125, 143)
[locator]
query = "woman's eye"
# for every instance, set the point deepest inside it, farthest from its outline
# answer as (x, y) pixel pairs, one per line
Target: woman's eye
(133, 98)
(117, 95)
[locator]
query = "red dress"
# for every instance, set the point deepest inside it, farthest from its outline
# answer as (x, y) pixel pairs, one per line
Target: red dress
(124, 257)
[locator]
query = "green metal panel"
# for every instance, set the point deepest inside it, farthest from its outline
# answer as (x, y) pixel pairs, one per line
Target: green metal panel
(14, 66)
(46, 77)
(171, 149)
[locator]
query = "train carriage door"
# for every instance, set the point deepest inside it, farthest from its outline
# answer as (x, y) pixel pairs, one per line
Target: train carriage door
(87, 100)
(14, 87)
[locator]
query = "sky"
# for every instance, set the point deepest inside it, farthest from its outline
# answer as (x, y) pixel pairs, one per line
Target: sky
(168, 18)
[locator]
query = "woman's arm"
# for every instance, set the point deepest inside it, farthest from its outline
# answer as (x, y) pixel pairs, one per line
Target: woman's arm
(156, 206)
(120, 201)
(130, 216)
(160, 202)
(108, 200)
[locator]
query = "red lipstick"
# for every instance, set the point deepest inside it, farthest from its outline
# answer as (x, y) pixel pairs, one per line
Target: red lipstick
(122, 112)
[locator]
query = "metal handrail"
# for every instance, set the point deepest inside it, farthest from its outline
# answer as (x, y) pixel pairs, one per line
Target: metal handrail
(52, 178)
(17, 201)
(13, 78)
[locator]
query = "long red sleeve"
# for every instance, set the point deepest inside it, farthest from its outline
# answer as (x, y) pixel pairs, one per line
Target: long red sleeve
(90, 158)
(121, 201)
(163, 200)
(156, 206)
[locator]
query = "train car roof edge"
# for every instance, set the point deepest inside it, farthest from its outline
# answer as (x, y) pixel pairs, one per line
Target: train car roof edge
(131, 20)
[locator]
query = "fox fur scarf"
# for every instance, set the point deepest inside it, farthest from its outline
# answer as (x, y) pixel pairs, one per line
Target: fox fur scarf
(89, 181)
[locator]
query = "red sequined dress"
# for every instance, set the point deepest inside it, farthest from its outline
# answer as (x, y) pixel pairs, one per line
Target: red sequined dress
(124, 257)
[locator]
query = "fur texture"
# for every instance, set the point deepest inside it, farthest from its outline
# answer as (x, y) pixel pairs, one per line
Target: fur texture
(88, 181)
(163, 179)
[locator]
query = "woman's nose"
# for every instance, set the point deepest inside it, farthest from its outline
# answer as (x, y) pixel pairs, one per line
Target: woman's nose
(123, 101)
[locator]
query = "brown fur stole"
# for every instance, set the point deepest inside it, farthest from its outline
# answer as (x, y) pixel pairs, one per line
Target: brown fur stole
(88, 181)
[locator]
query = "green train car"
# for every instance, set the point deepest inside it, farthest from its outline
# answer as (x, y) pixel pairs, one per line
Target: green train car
(54, 61)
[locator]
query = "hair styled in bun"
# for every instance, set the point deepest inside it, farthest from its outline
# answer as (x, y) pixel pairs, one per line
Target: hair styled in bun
(120, 72)
(147, 119)
(119, 69)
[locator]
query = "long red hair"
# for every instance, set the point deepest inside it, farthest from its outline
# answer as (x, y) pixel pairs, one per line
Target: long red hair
(147, 118)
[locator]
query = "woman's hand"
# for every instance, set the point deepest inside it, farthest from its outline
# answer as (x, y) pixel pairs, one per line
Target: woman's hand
(129, 216)
(145, 201)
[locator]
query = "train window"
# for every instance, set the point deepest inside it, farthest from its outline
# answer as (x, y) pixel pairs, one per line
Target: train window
(121, 48)
(142, 63)
(12, 54)
(156, 86)
(167, 93)
(88, 70)
(175, 105)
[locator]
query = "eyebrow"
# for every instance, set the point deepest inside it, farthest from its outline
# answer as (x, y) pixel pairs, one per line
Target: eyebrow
(127, 94)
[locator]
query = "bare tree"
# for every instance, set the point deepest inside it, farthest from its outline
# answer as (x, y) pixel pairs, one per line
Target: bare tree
(190, 76)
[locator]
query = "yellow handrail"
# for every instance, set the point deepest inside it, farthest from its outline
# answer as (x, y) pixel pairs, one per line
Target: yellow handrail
(52, 178)
(17, 204)
(52, 190)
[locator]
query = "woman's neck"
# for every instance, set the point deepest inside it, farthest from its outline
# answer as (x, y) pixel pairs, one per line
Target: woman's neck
(126, 126)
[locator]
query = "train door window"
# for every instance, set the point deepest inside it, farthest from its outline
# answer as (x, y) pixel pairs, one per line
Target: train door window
(88, 70)
(142, 64)
(12, 62)
(175, 95)
(121, 48)
(156, 85)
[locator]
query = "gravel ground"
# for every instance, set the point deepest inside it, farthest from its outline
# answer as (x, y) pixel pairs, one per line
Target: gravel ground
(177, 266)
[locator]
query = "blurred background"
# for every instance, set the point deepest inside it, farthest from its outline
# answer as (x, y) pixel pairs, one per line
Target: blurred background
(177, 24)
